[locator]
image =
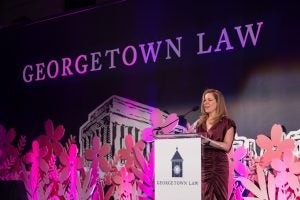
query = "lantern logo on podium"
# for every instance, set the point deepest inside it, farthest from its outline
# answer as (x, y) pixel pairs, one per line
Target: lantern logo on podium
(177, 169)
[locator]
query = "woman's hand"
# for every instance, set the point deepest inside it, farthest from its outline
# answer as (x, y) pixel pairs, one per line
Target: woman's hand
(225, 145)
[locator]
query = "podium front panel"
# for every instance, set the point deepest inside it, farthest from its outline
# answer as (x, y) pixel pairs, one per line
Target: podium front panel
(178, 169)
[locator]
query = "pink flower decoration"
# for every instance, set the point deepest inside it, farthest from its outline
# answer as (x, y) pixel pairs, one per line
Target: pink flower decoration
(36, 156)
(97, 155)
(287, 170)
(263, 189)
(71, 161)
(52, 137)
(235, 159)
(127, 154)
(159, 125)
(236, 169)
(275, 146)
(144, 172)
(124, 181)
(6, 139)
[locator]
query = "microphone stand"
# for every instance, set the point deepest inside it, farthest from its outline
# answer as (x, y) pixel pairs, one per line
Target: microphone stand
(159, 128)
(185, 114)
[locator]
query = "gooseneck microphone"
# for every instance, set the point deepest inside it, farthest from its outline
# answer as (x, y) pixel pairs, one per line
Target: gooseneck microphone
(195, 108)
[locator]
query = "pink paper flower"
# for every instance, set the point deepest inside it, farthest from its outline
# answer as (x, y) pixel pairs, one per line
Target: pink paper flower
(52, 137)
(159, 125)
(275, 146)
(71, 161)
(127, 153)
(235, 158)
(236, 169)
(97, 155)
(123, 180)
(144, 172)
(263, 189)
(36, 156)
(287, 171)
(6, 148)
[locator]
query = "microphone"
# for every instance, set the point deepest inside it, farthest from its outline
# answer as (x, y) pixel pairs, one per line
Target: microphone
(195, 108)
(179, 119)
(182, 120)
(157, 129)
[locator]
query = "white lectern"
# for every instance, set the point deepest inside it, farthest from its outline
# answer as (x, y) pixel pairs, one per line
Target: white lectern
(178, 167)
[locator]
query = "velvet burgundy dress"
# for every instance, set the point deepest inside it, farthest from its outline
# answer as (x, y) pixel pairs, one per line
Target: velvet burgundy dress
(215, 167)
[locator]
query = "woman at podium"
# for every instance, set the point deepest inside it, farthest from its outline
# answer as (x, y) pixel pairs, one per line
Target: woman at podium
(217, 131)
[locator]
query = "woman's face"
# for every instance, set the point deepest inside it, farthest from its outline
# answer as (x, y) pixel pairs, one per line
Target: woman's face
(209, 103)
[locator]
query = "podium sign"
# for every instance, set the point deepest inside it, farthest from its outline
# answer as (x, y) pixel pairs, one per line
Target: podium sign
(177, 168)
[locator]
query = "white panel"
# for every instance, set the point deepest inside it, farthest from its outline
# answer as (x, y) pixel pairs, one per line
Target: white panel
(178, 188)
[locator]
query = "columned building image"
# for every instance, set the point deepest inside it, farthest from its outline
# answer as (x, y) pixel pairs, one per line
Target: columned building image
(113, 120)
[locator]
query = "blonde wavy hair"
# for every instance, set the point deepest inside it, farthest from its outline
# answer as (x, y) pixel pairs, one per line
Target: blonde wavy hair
(221, 110)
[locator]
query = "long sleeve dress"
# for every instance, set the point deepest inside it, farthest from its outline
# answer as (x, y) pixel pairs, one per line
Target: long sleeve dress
(215, 167)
